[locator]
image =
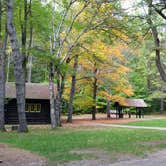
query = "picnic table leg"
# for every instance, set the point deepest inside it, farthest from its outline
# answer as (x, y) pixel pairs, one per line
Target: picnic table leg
(140, 112)
(137, 112)
(129, 115)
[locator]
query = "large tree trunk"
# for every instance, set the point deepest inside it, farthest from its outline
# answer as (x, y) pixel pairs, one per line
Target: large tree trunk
(18, 69)
(58, 102)
(94, 95)
(52, 99)
(2, 87)
(0, 18)
(72, 90)
(51, 75)
(2, 76)
(157, 49)
(51, 89)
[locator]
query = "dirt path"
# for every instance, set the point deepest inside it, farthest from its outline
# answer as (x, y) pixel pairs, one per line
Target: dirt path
(102, 158)
(125, 126)
(10, 156)
(95, 157)
(155, 159)
(101, 118)
(17, 157)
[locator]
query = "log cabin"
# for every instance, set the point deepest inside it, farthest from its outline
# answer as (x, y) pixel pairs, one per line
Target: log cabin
(37, 104)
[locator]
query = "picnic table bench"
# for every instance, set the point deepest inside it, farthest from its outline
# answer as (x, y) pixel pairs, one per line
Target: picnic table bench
(115, 112)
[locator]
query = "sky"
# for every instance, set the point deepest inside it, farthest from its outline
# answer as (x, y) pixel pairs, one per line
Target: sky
(131, 6)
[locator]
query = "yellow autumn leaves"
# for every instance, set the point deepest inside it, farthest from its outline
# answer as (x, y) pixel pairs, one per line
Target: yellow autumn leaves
(112, 80)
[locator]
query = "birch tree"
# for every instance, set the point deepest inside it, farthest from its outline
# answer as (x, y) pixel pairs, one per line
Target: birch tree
(82, 16)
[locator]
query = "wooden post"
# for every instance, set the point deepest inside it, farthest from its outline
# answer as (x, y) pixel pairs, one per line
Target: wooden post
(116, 112)
(140, 112)
(136, 112)
(129, 113)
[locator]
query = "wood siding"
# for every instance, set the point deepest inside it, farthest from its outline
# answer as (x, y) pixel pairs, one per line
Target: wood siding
(43, 117)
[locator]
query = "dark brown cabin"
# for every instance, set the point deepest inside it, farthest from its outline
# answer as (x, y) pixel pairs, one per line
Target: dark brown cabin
(37, 104)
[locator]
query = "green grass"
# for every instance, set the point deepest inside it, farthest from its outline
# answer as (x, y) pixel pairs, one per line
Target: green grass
(149, 123)
(57, 144)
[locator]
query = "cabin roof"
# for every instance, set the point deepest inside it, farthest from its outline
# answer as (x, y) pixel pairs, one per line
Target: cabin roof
(134, 103)
(33, 90)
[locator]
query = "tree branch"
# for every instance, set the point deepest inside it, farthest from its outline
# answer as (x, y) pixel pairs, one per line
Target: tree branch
(70, 28)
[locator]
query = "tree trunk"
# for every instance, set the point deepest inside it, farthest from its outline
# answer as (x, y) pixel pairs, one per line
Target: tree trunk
(157, 50)
(72, 90)
(51, 89)
(0, 19)
(52, 100)
(156, 42)
(58, 102)
(51, 77)
(18, 69)
(2, 81)
(24, 28)
(29, 73)
(8, 67)
(24, 36)
(108, 108)
(2, 91)
(94, 95)
(1, 2)
(58, 109)
(149, 78)
(161, 105)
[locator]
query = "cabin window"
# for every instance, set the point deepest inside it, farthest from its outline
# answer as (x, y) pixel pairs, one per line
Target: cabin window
(33, 107)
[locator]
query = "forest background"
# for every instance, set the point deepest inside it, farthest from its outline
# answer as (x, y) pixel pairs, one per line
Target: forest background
(95, 52)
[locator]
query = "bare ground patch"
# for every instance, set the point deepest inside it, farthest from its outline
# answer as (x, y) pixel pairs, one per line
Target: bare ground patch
(10, 156)
(152, 159)
(157, 142)
(102, 158)
(96, 157)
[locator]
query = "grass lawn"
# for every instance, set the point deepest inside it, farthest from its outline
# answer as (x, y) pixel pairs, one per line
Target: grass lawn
(150, 123)
(57, 144)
